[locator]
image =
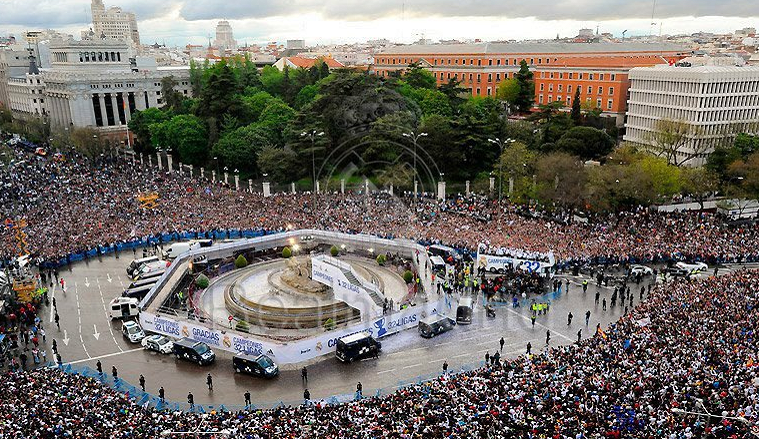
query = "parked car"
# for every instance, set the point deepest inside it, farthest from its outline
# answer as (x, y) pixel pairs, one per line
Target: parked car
(132, 331)
(642, 270)
(159, 343)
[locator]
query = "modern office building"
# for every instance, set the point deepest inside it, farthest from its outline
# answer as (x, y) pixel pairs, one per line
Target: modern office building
(225, 40)
(114, 24)
(599, 70)
(717, 101)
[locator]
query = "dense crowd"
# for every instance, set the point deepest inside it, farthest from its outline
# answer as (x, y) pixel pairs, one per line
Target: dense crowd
(75, 205)
(675, 351)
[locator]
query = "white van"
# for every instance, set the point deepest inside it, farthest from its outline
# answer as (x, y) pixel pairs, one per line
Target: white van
(178, 248)
(123, 308)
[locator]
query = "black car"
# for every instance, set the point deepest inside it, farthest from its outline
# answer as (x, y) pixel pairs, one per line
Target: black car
(357, 347)
(195, 351)
(258, 365)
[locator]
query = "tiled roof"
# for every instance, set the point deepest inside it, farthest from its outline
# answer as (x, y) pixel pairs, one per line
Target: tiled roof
(306, 63)
(530, 48)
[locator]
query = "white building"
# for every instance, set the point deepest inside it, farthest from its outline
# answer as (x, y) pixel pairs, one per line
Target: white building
(114, 24)
(93, 84)
(26, 92)
(14, 62)
(717, 100)
(225, 39)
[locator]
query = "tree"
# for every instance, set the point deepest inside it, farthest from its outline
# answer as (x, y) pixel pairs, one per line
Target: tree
(172, 99)
(576, 113)
(561, 178)
(746, 173)
(87, 142)
(186, 134)
(282, 164)
(239, 148)
(140, 127)
(457, 95)
(670, 137)
(586, 142)
(430, 101)
(306, 95)
(442, 147)
(508, 91)
(526, 95)
(253, 104)
(699, 183)
(419, 77)
(746, 144)
(516, 162)
(275, 117)
(241, 262)
(271, 80)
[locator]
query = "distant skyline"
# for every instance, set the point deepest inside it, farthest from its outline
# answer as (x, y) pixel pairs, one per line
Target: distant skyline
(179, 22)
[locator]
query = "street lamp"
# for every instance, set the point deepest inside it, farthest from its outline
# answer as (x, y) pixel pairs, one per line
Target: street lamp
(501, 145)
(312, 135)
(414, 138)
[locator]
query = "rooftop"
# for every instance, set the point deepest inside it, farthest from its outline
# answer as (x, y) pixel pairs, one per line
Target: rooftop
(522, 48)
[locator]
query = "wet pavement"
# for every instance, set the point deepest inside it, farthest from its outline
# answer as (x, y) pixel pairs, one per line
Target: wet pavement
(87, 335)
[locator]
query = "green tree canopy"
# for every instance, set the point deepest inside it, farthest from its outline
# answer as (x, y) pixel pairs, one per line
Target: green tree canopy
(588, 143)
(526, 95)
(186, 135)
(140, 127)
(419, 77)
(238, 149)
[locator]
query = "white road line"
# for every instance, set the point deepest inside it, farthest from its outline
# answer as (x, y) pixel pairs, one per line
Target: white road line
(386, 371)
(105, 311)
(406, 352)
(411, 365)
(436, 361)
(541, 325)
(464, 355)
(52, 310)
(79, 313)
(107, 355)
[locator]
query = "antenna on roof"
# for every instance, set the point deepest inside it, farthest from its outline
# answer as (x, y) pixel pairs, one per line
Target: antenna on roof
(651, 28)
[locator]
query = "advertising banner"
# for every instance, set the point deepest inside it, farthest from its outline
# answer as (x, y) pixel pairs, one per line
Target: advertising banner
(293, 352)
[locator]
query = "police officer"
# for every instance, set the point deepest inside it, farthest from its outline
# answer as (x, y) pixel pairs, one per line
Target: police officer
(142, 382)
(99, 367)
(191, 400)
(209, 382)
(247, 399)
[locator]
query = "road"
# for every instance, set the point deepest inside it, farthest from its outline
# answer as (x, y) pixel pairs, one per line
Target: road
(87, 335)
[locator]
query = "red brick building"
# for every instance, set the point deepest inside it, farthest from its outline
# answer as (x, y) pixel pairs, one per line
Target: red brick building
(600, 70)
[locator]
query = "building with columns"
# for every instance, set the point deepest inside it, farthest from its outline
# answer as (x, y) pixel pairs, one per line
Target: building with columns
(718, 101)
(95, 84)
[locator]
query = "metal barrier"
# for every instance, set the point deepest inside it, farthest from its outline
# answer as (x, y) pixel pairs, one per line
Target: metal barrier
(147, 399)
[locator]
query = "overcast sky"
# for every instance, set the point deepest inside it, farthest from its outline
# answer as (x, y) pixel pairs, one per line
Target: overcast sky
(178, 22)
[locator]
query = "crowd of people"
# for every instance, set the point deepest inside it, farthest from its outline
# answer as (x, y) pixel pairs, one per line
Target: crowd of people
(74, 205)
(674, 353)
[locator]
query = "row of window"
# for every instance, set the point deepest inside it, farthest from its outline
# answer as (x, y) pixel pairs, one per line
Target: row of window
(485, 61)
(571, 75)
(748, 86)
(560, 98)
(560, 87)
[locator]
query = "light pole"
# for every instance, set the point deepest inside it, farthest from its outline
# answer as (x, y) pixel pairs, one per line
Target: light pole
(501, 144)
(414, 138)
(312, 135)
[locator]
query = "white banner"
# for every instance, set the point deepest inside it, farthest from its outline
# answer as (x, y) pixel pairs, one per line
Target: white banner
(296, 352)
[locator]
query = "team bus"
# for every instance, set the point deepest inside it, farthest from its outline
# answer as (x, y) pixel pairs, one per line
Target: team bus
(501, 260)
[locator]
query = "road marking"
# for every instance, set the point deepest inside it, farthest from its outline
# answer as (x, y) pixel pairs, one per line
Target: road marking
(52, 310)
(79, 314)
(105, 311)
(120, 282)
(107, 355)
(412, 365)
(386, 371)
(436, 361)
(108, 276)
(66, 338)
(96, 334)
(406, 352)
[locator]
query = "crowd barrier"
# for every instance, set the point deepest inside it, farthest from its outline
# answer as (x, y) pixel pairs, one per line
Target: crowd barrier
(147, 399)
(166, 238)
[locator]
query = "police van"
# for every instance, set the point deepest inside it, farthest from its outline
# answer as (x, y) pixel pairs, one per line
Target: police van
(464, 311)
(195, 351)
(357, 347)
(255, 364)
(435, 324)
